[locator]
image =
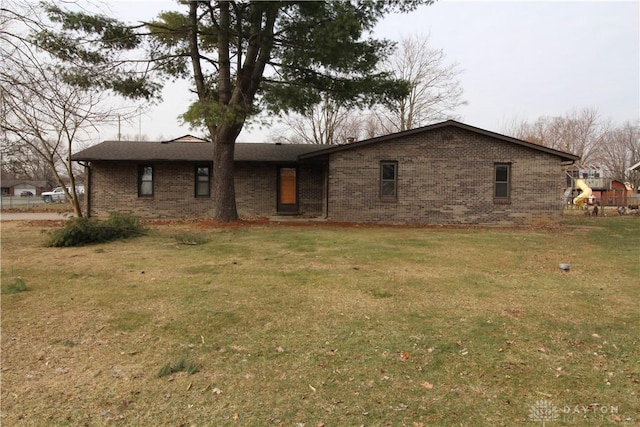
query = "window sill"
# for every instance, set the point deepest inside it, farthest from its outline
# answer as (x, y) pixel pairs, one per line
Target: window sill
(497, 201)
(388, 199)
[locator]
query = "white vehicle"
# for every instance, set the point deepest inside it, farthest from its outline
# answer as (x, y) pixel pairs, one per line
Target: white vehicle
(57, 195)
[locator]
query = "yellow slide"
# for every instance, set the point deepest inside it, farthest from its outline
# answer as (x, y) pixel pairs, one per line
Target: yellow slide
(582, 197)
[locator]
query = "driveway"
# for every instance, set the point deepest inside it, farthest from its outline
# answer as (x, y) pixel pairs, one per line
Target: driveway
(33, 216)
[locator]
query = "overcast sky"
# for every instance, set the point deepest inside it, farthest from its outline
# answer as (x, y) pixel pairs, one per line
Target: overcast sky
(519, 60)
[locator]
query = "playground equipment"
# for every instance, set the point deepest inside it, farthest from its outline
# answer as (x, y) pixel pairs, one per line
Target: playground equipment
(581, 198)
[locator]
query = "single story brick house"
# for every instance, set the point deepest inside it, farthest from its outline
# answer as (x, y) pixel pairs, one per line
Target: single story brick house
(445, 173)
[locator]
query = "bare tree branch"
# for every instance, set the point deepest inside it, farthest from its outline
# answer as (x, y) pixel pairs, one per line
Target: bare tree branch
(435, 91)
(41, 114)
(600, 144)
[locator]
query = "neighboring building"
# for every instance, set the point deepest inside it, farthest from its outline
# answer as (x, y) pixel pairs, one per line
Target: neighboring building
(446, 173)
(606, 191)
(616, 195)
(18, 187)
(594, 177)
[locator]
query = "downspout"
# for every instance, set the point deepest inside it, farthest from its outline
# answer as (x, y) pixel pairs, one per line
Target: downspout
(326, 191)
(566, 164)
(87, 189)
(568, 193)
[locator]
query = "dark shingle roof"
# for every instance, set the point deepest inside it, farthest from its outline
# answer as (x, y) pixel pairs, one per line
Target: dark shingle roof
(181, 149)
(190, 151)
(332, 149)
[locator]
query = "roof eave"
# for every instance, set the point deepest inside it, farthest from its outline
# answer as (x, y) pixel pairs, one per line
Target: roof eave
(561, 154)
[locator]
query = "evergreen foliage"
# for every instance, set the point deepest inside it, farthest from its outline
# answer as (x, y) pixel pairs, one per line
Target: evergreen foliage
(82, 231)
(243, 57)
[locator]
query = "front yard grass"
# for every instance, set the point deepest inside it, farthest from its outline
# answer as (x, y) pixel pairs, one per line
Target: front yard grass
(325, 325)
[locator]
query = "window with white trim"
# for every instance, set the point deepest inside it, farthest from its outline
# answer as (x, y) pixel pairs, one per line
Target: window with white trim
(203, 181)
(145, 181)
(388, 179)
(502, 182)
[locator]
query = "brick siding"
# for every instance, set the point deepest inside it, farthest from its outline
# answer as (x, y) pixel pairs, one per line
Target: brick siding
(311, 189)
(256, 187)
(114, 188)
(445, 176)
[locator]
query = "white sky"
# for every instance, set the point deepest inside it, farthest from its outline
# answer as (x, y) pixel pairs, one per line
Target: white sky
(519, 60)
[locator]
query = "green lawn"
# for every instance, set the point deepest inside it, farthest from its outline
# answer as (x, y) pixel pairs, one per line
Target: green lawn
(325, 326)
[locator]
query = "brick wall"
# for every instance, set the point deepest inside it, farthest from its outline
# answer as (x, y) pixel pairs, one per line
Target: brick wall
(445, 176)
(311, 189)
(256, 186)
(114, 188)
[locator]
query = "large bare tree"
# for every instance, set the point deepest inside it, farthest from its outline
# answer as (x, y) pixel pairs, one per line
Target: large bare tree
(42, 115)
(619, 149)
(21, 162)
(579, 132)
(328, 122)
(435, 90)
(601, 144)
(435, 93)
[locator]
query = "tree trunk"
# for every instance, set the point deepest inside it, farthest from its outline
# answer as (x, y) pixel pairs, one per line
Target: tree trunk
(224, 134)
(77, 210)
(224, 193)
(75, 202)
(233, 101)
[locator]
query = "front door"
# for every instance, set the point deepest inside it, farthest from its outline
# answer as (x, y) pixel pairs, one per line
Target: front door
(287, 190)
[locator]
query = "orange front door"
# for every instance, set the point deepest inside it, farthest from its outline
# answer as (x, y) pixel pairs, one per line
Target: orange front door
(287, 191)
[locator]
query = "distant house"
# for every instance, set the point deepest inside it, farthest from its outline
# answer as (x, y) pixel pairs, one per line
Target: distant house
(446, 173)
(615, 195)
(19, 187)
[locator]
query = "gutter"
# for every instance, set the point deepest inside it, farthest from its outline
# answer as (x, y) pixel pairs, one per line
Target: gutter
(87, 190)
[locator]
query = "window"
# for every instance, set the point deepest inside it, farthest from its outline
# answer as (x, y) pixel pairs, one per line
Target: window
(145, 181)
(502, 175)
(203, 181)
(388, 179)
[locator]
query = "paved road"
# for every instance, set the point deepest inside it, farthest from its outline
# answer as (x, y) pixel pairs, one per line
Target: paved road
(32, 216)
